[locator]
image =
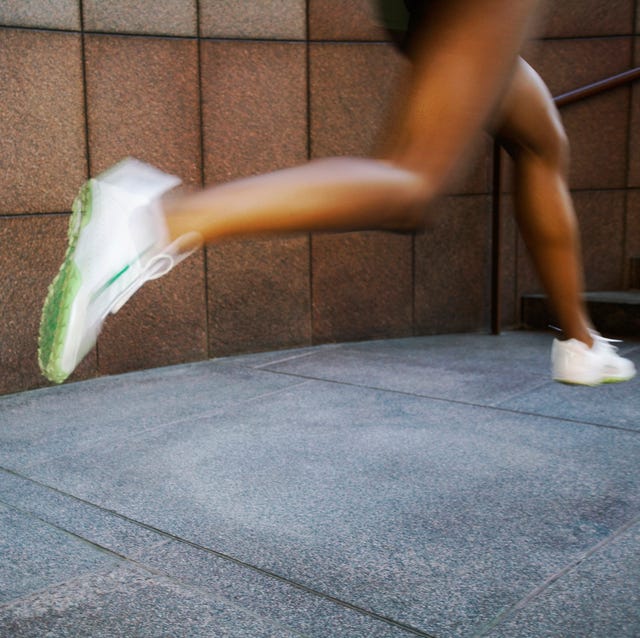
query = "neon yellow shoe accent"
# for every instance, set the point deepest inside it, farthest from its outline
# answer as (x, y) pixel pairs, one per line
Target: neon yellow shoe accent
(57, 306)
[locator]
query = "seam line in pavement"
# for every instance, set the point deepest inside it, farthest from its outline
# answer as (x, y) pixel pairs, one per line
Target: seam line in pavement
(101, 548)
(459, 402)
(265, 572)
(540, 589)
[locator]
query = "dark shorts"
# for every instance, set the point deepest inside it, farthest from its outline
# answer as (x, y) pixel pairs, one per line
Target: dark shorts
(402, 18)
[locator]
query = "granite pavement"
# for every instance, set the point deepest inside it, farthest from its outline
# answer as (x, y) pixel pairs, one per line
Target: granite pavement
(438, 486)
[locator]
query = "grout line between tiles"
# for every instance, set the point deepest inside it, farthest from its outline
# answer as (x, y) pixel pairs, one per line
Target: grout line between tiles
(32, 513)
(58, 527)
(570, 567)
(309, 142)
(293, 357)
(195, 36)
(460, 402)
(543, 38)
(612, 189)
(203, 173)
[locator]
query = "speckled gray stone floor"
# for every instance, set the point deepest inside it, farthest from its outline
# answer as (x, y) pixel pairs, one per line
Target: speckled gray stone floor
(435, 486)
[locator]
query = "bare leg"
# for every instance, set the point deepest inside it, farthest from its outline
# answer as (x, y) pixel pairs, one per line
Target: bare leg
(462, 63)
(338, 194)
(531, 127)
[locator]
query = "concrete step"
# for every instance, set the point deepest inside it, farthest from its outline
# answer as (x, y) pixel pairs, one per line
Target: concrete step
(614, 313)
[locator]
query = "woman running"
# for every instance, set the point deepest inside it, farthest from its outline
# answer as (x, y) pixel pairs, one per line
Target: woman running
(466, 76)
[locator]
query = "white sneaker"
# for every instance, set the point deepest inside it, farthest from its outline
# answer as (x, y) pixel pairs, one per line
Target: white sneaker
(117, 241)
(572, 361)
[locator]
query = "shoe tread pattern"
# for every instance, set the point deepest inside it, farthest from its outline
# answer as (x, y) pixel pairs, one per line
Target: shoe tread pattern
(61, 293)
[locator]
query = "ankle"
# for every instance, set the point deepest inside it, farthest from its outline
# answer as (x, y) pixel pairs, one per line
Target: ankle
(583, 334)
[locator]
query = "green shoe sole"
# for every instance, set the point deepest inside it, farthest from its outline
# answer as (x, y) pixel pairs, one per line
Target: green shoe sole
(54, 322)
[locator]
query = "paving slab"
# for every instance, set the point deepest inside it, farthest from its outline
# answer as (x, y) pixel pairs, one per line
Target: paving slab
(45, 423)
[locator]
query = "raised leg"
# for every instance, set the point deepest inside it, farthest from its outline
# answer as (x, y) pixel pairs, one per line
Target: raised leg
(462, 63)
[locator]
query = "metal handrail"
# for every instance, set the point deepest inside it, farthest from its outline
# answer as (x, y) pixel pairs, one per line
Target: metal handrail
(596, 88)
(564, 99)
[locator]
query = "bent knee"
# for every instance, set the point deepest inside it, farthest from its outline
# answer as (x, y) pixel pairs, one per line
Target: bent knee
(548, 142)
(551, 143)
(531, 123)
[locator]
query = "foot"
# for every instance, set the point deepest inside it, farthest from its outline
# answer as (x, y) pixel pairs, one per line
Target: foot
(117, 242)
(572, 361)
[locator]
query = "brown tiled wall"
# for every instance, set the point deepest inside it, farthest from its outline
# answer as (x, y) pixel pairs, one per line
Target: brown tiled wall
(213, 90)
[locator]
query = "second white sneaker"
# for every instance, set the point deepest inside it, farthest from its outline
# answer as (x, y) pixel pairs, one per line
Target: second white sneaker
(573, 362)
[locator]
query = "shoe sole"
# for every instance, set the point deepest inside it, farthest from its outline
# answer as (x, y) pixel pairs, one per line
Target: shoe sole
(606, 380)
(56, 312)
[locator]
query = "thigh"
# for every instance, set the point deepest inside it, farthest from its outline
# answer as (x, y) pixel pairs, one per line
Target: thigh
(464, 54)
